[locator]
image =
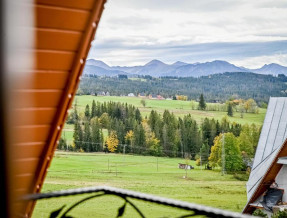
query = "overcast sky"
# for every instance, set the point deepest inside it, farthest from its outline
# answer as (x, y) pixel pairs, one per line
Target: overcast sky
(247, 33)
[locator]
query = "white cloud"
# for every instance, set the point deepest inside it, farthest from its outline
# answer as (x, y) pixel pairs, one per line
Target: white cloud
(183, 23)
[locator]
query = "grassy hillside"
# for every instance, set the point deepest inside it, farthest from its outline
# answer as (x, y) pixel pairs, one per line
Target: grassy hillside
(177, 107)
(159, 176)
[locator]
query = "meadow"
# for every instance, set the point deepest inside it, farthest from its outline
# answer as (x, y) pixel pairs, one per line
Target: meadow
(159, 176)
(179, 108)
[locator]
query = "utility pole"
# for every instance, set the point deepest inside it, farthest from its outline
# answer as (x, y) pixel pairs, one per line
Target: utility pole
(223, 155)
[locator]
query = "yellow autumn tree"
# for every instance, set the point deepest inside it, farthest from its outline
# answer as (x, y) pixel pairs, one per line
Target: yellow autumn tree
(112, 141)
(130, 137)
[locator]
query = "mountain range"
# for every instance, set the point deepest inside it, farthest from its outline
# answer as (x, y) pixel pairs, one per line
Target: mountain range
(157, 68)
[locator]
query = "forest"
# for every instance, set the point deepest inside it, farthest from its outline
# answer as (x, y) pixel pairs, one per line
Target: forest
(216, 88)
(158, 135)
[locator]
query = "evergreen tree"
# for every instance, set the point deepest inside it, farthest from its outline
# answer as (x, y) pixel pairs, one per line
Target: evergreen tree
(140, 139)
(87, 144)
(96, 136)
(229, 110)
(87, 112)
(78, 135)
(202, 104)
(94, 109)
(62, 144)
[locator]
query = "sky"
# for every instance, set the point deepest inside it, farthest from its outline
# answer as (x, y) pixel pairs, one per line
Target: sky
(247, 33)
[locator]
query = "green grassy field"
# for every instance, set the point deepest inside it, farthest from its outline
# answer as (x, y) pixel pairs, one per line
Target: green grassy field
(179, 108)
(159, 176)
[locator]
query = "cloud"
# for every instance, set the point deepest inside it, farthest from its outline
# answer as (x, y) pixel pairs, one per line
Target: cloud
(137, 31)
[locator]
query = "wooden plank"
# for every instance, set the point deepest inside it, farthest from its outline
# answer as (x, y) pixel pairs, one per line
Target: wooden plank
(54, 60)
(26, 166)
(61, 18)
(26, 134)
(29, 150)
(37, 98)
(82, 4)
(46, 80)
(23, 181)
(53, 39)
(35, 116)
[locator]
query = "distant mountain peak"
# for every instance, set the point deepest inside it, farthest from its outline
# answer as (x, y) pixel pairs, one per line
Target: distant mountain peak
(97, 63)
(179, 63)
(158, 68)
(155, 62)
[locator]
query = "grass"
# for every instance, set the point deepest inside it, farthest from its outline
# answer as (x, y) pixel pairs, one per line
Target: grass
(159, 176)
(179, 108)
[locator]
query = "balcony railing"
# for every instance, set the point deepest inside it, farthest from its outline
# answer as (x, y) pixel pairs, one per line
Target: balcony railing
(127, 196)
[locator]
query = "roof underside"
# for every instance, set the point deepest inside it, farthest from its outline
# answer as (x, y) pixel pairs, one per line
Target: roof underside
(270, 146)
(63, 33)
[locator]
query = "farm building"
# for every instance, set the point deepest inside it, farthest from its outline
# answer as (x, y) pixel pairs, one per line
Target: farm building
(267, 187)
(131, 95)
(141, 95)
(152, 96)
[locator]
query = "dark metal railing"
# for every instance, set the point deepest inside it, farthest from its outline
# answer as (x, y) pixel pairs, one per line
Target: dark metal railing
(127, 195)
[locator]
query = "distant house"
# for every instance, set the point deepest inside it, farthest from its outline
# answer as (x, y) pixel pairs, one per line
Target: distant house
(268, 176)
(185, 166)
(141, 95)
(159, 97)
(101, 93)
(131, 95)
(152, 96)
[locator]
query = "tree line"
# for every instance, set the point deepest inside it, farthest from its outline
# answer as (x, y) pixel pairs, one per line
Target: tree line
(156, 134)
(216, 88)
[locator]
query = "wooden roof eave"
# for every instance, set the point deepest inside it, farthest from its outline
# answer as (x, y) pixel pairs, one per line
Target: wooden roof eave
(66, 100)
(270, 175)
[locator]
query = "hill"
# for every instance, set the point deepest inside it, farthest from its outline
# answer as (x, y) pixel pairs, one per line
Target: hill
(157, 68)
(216, 88)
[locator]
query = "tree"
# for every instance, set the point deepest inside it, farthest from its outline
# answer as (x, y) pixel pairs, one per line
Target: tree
(143, 102)
(229, 110)
(94, 109)
(104, 120)
(112, 141)
(204, 154)
(130, 138)
(232, 155)
(87, 112)
(87, 144)
(78, 135)
(97, 138)
(202, 104)
(152, 143)
(62, 144)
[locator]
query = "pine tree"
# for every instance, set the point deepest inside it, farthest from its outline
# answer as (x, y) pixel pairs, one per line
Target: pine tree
(229, 110)
(96, 136)
(202, 104)
(78, 135)
(87, 112)
(87, 144)
(94, 109)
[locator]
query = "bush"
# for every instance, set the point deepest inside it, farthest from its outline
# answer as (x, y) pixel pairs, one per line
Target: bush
(259, 213)
(241, 176)
(280, 214)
